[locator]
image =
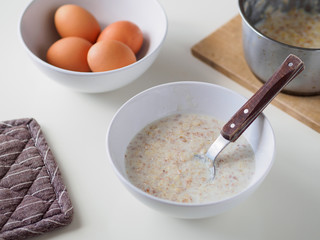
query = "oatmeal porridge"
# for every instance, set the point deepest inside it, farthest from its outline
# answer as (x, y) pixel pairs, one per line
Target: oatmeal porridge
(297, 27)
(160, 160)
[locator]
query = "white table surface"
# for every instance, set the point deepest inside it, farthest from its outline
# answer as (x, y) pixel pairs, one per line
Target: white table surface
(286, 206)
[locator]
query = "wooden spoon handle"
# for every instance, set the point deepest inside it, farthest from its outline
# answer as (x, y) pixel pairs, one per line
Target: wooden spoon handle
(242, 119)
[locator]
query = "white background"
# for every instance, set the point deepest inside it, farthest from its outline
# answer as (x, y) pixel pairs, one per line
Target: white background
(286, 206)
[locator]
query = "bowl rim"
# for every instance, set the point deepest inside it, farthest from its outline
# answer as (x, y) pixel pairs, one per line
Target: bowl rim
(180, 204)
(54, 68)
(254, 29)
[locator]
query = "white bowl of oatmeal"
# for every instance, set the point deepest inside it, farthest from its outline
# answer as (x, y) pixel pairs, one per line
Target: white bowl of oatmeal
(153, 137)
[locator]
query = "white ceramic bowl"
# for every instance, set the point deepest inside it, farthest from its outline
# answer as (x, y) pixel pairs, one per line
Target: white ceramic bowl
(37, 33)
(177, 97)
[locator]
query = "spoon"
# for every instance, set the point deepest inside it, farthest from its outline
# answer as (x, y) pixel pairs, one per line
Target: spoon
(243, 118)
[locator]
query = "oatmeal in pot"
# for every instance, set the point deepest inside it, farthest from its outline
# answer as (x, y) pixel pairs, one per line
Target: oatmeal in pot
(297, 27)
(160, 160)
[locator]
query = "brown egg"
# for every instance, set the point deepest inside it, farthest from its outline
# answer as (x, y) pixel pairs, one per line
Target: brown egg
(124, 31)
(70, 53)
(109, 55)
(72, 20)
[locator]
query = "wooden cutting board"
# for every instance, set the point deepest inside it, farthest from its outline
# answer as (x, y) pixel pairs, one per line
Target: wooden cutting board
(223, 51)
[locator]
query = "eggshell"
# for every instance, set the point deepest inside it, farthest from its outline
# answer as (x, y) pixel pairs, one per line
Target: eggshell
(124, 31)
(109, 55)
(73, 20)
(70, 53)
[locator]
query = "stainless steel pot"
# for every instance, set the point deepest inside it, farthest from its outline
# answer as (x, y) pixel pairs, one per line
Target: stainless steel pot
(264, 54)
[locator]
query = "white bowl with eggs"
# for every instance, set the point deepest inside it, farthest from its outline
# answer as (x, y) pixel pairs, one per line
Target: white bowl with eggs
(186, 97)
(38, 32)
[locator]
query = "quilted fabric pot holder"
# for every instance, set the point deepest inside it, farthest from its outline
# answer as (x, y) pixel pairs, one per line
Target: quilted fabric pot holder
(33, 197)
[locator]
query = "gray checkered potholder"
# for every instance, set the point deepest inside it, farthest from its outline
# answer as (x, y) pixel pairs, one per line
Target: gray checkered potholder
(33, 197)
